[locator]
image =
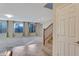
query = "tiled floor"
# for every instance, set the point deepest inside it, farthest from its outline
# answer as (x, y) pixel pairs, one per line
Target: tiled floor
(14, 42)
(30, 46)
(29, 50)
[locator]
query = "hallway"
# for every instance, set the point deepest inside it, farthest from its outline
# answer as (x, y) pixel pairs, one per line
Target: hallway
(24, 24)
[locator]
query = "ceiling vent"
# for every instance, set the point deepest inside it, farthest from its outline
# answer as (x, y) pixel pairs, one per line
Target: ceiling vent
(49, 5)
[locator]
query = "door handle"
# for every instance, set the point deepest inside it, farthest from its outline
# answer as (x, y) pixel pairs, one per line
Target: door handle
(77, 42)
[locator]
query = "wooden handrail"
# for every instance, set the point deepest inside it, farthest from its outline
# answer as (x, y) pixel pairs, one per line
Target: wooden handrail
(49, 26)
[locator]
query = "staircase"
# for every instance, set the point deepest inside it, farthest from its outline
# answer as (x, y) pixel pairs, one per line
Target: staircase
(48, 38)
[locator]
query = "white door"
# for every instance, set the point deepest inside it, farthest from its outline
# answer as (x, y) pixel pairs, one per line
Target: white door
(67, 31)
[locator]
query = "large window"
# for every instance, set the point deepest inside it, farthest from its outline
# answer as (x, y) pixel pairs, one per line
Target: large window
(18, 27)
(3, 26)
(32, 27)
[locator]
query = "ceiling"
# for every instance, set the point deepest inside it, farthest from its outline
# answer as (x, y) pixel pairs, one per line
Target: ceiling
(32, 11)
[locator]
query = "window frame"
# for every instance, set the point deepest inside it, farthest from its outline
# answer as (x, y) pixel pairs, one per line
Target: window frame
(18, 23)
(33, 27)
(6, 26)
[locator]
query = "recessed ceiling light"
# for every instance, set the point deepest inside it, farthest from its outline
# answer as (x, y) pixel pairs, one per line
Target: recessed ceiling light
(8, 15)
